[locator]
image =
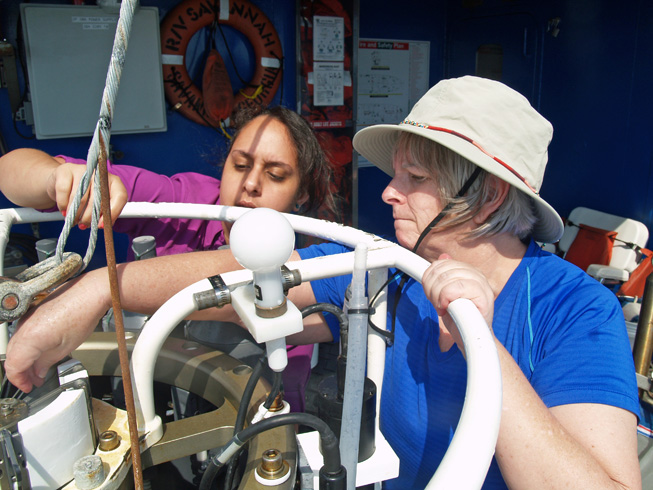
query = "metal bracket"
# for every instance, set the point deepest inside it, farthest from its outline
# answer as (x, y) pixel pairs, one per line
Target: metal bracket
(8, 74)
(14, 475)
(290, 278)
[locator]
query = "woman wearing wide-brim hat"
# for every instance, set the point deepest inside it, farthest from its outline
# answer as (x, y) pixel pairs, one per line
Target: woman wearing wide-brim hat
(566, 422)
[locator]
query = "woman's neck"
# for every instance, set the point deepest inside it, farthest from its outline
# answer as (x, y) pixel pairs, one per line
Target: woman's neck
(496, 257)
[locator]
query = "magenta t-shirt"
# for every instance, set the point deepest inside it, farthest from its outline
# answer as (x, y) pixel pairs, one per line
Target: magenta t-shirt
(173, 236)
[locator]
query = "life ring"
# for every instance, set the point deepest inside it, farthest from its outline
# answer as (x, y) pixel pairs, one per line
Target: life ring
(188, 17)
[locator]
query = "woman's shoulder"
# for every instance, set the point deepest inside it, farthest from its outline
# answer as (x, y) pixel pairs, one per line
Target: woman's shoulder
(564, 286)
(544, 263)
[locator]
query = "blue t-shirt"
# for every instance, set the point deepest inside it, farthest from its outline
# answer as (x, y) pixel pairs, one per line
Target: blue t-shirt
(564, 329)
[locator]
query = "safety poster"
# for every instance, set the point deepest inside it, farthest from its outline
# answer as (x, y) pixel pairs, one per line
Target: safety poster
(392, 76)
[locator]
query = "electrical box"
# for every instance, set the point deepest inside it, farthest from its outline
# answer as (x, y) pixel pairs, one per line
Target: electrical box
(68, 49)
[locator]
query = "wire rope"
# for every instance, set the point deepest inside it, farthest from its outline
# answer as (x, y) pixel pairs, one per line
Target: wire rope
(96, 169)
(101, 135)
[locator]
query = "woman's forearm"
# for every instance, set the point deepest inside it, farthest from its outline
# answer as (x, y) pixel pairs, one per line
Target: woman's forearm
(25, 175)
(582, 446)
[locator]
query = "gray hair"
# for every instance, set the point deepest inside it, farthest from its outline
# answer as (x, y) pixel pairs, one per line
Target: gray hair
(450, 171)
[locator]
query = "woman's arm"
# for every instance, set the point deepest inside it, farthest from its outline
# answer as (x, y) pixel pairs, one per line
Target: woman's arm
(62, 322)
(580, 446)
(26, 175)
(32, 178)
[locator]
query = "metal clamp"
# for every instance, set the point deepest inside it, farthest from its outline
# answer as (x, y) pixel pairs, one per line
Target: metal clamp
(216, 297)
(34, 284)
(290, 278)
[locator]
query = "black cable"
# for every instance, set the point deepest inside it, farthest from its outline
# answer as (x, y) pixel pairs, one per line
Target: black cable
(276, 388)
(328, 444)
(251, 383)
(242, 412)
(216, 23)
(463, 190)
(20, 49)
(4, 389)
(631, 245)
(178, 86)
(388, 335)
(17, 131)
(343, 319)
(23, 238)
(233, 64)
(328, 308)
(280, 72)
(247, 394)
(4, 149)
(231, 58)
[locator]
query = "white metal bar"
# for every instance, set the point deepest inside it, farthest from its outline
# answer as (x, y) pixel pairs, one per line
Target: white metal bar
(482, 409)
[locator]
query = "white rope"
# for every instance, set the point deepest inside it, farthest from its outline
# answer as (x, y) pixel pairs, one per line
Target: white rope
(102, 134)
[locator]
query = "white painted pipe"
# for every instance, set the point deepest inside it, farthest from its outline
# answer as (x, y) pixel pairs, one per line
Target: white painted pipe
(482, 409)
(146, 351)
(470, 453)
(376, 345)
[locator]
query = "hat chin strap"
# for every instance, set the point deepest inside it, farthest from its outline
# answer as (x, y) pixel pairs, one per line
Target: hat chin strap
(463, 190)
(389, 335)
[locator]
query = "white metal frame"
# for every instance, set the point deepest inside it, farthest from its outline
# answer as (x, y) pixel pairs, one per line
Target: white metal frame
(482, 408)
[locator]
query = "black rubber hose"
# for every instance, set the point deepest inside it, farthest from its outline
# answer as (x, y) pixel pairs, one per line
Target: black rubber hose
(242, 413)
(247, 394)
(343, 319)
(276, 387)
(328, 444)
(231, 467)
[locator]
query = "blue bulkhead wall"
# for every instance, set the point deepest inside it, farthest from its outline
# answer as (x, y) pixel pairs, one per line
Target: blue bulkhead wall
(592, 81)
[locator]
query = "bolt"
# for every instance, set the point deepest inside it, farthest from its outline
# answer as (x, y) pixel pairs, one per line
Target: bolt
(273, 466)
(88, 472)
(271, 460)
(10, 301)
(7, 406)
(109, 440)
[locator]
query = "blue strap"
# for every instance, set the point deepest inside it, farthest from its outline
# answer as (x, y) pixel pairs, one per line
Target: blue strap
(530, 323)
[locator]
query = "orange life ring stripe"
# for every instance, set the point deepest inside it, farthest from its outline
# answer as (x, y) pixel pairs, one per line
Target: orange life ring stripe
(188, 17)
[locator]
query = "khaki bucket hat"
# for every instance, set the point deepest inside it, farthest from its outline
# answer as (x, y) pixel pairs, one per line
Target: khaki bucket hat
(488, 123)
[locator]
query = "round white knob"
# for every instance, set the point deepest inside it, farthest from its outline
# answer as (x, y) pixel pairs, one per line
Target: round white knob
(262, 239)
